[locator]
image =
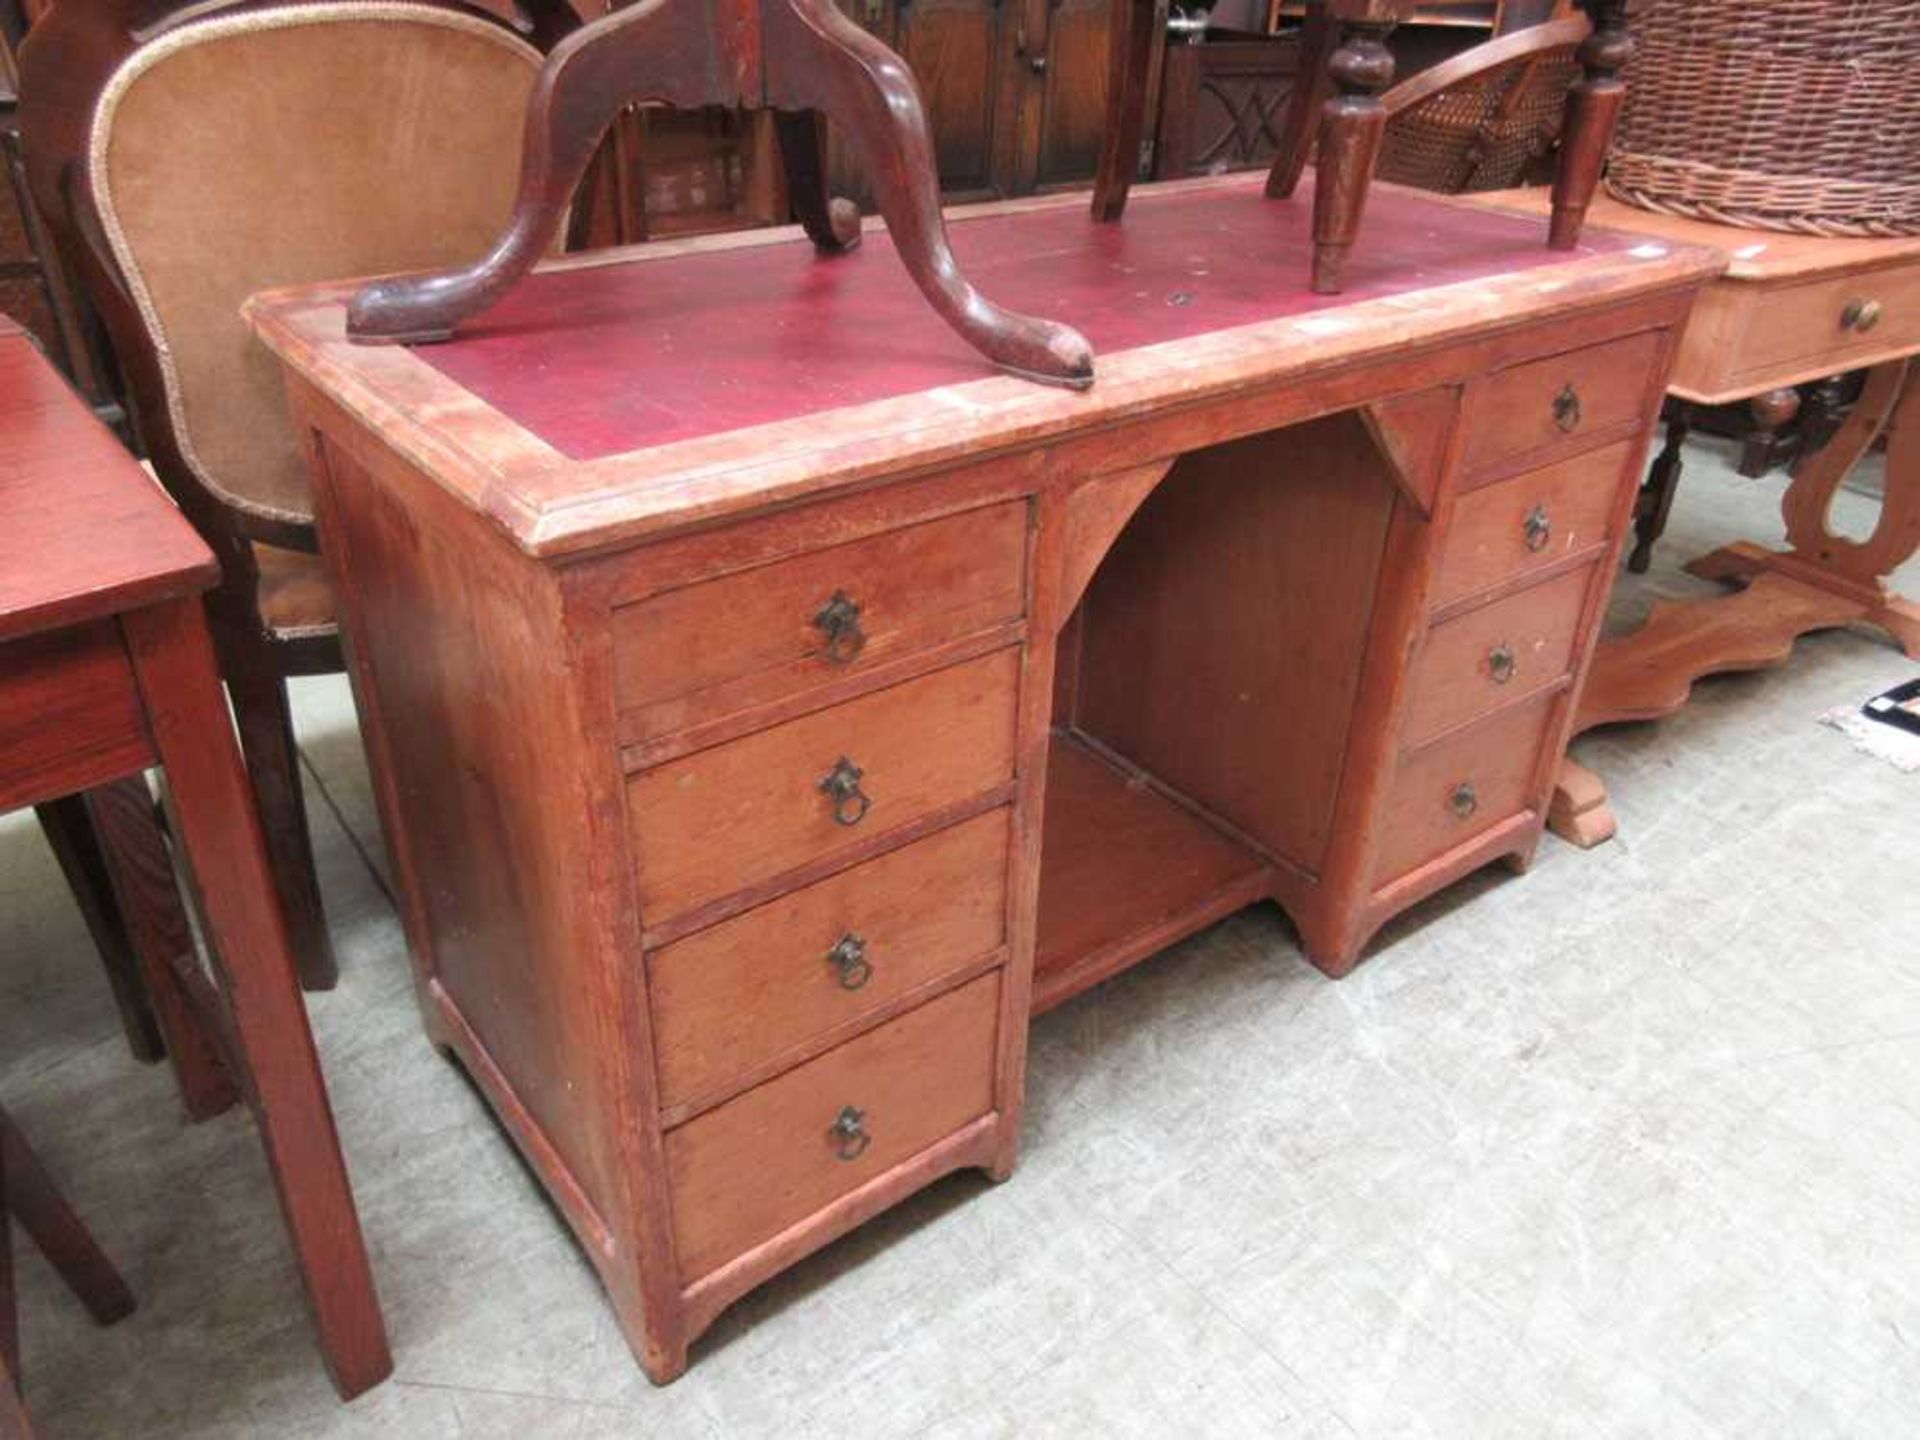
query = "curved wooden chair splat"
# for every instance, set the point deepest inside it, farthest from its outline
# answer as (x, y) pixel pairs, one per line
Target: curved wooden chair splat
(792, 56)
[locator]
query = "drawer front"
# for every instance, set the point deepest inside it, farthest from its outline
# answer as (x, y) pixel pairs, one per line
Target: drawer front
(70, 714)
(744, 992)
(1519, 526)
(747, 1170)
(1536, 408)
(1492, 656)
(726, 819)
(1835, 320)
(1457, 788)
(710, 649)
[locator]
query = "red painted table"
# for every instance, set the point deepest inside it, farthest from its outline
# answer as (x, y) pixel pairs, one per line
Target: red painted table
(106, 669)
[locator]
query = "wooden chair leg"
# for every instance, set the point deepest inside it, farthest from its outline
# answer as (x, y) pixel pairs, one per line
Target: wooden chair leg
(70, 835)
(149, 897)
(58, 1232)
(220, 835)
(1655, 501)
(15, 1423)
(273, 763)
(1352, 125)
(1305, 100)
(833, 224)
(818, 59)
(1129, 58)
(1593, 107)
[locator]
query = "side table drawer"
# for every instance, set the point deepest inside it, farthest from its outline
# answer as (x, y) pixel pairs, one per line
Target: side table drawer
(1516, 527)
(1495, 654)
(1456, 788)
(755, 635)
(1865, 316)
(738, 995)
(746, 1170)
(730, 818)
(1543, 405)
(70, 714)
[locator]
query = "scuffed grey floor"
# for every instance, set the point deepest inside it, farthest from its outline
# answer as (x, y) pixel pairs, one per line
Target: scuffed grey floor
(1627, 1146)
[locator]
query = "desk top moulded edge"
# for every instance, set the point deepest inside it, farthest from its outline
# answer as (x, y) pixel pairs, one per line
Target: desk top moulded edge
(552, 507)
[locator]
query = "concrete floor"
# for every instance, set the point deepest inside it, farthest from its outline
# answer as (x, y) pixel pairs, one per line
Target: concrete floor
(1627, 1146)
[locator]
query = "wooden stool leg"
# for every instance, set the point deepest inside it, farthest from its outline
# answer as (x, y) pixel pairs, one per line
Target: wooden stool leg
(15, 1424)
(70, 835)
(1304, 103)
(818, 59)
(149, 897)
(1351, 127)
(1129, 57)
(273, 764)
(1655, 501)
(1593, 107)
(59, 1233)
(220, 837)
(833, 224)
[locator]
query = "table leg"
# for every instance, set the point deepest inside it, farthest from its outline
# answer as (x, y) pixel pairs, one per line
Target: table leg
(225, 851)
(1823, 581)
(1655, 502)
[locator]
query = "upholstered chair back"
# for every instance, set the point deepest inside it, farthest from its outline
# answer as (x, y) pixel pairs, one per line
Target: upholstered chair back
(280, 146)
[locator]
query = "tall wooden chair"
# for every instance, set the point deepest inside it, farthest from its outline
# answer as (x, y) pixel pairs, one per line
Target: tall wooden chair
(1492, 90)
(186, 157)
(29, 1195)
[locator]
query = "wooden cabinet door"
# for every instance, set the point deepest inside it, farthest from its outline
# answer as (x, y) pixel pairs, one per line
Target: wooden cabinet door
(1063, 73)
(959, 52)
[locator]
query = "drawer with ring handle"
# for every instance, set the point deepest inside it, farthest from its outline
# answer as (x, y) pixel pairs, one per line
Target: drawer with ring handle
(730, 1000)
(733, 816)
(1496, 654)
(1500, 532)
(745, 1170)
(1524, 413)
(1454, 788)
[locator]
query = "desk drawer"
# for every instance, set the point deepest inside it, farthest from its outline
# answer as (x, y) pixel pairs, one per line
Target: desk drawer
(1492, 656)
(1827, 320)
(738, 995)
(1459, 787)
(765, 1160)
(70, 714)
(710, 649)
(733, 817)
(1519, 526)
(1544, 405)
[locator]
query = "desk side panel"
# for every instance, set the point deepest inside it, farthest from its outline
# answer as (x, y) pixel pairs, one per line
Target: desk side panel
(505, 833)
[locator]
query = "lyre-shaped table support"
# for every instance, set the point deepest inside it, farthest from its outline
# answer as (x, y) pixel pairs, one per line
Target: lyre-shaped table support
(793, 56)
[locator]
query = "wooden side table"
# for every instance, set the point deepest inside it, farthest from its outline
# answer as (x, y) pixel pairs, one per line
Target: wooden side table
(1790, 308)
(106, 669)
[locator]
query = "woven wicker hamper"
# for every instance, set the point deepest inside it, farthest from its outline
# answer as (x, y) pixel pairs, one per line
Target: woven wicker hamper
(1781, 114)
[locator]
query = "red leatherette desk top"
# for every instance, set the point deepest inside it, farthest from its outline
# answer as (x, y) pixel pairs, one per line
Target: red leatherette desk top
(673, 363)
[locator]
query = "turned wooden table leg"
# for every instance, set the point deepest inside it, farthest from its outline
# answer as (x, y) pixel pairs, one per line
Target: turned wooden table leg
(833, 224)
(1655, 502)
(1771, 412)
(1352, 125)
(248, 942)
(818, 59)
(1129, 58)
(1593, 108)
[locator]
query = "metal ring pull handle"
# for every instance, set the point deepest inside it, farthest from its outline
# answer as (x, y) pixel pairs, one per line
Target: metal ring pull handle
(1860, 315)
(849, 1133)
(849, 958)
(842, 786)
(1501, 664)
(1566, 409)
(1463, 800)
(839, 621)
(1537, 528)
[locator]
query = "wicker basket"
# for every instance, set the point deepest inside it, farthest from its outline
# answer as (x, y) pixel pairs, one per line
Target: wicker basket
(1782, 114)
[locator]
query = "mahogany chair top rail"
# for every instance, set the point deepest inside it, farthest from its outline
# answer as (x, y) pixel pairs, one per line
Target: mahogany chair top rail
(83, 544)
(1468, 64)
(553, 506)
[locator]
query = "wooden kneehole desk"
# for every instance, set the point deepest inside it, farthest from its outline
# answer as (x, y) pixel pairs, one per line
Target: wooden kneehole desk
(770, 709)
